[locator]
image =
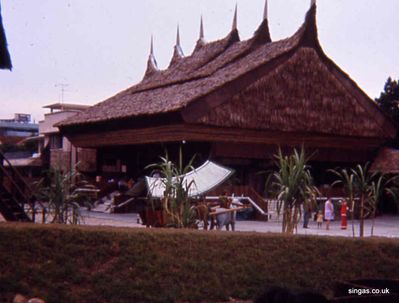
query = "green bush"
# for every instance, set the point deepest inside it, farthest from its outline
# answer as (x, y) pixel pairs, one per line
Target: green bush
(102, 264)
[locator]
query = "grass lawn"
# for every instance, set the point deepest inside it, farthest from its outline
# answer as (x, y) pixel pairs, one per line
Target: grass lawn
(104, 264)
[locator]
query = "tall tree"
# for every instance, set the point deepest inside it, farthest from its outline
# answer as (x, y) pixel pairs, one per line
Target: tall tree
(389, 99)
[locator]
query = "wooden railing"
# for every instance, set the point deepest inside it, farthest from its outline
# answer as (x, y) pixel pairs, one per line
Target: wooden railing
(19, 191)
(243, 190)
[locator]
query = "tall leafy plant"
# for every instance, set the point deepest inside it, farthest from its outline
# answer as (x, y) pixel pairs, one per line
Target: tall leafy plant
(367, 188)
(380, 185)
(62, 196)
(176, 202)
(346, 178)
(357, 183)
(363, 180)
(293, 187)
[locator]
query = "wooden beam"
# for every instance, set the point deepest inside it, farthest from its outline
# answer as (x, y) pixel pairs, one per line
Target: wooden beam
(226, 210)
(267, 152)
(199, 133)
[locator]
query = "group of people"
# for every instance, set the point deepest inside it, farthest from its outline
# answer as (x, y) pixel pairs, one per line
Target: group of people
(327, 215)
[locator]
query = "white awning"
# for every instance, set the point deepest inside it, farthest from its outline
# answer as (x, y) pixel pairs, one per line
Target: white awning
(206, 177)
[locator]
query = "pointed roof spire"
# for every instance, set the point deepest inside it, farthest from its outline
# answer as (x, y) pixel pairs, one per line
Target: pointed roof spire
(234, 27)
(177, 52)
(310, 36)
(233, 36)
(265, 11)
(152, 65)
(152, 46)
(262, 34)
(178, 36)
(202, 36)
(201, 39)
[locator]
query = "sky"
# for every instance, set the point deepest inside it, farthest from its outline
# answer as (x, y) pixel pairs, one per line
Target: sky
(92, 49)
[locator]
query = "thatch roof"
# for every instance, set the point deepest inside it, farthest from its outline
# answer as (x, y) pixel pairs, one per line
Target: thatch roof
(215, 73)
(207, 68)
(387, 161)
(5, 60)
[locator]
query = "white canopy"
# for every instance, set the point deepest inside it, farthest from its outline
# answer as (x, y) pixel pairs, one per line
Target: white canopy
(206, 177)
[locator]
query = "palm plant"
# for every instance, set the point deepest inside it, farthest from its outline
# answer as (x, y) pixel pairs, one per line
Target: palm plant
(346, 178)
(176, 202)
(293, 187)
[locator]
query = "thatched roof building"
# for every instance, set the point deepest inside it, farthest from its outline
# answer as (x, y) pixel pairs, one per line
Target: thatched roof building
(5, 60)
(387, 161)
(243, 97)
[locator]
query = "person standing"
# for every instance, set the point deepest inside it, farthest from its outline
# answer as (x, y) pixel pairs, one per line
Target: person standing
(319, 219)
(225, 201)
(307, 213)
(344, 210)
(328, 212)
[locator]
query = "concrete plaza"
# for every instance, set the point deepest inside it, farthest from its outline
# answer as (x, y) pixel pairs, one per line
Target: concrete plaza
(384, 226)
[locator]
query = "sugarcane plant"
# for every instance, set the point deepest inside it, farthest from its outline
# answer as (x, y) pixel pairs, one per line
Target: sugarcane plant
(365, 187)
(380, 185)
(293, 187)
(357, 182)
(346, 179)
(176, 202)
(363, 180)
(62, 198)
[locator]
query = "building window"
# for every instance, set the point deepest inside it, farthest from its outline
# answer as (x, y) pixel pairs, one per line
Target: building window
(55, 141)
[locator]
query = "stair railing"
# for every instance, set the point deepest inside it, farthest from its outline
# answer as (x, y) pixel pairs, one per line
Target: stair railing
(21, 195)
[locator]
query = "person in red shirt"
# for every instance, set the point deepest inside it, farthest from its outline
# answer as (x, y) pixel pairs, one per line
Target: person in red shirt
(344, 221)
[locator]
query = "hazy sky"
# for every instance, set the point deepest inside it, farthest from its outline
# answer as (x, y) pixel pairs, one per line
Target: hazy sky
(100, 47)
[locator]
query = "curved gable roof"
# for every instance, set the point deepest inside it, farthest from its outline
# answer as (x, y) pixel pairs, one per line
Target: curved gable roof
(212, 67)
(207, 69)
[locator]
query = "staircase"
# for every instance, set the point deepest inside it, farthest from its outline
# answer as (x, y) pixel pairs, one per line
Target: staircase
(15, 194)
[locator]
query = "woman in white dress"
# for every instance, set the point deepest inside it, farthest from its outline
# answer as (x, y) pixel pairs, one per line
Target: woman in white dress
(328, 212)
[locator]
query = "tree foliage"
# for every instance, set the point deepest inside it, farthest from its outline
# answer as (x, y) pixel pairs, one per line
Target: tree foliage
(389, 99)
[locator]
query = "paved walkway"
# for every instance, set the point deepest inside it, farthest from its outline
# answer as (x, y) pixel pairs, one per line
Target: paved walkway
(385, 226)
